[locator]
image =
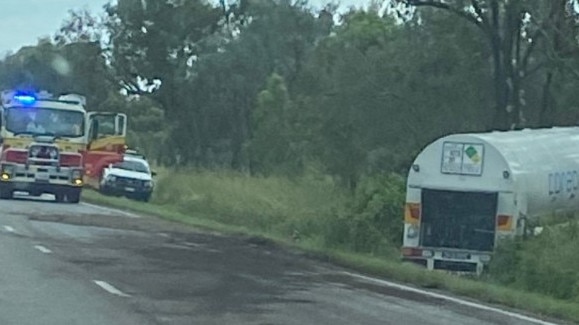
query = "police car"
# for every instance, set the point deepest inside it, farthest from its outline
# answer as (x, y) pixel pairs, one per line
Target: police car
(132, 178)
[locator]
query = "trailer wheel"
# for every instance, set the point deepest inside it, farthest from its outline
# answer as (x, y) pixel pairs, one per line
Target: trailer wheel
(59, 197)
(5, 194)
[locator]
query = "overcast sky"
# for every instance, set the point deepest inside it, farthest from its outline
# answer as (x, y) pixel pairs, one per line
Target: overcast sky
(23, 22)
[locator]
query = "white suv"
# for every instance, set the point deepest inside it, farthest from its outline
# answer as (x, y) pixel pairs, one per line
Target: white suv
(131, 178)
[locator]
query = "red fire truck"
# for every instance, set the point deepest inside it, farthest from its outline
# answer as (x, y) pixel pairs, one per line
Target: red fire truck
(53, 145)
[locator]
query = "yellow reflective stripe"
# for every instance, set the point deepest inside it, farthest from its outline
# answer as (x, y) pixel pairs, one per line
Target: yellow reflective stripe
(20, 143)
(101, 144)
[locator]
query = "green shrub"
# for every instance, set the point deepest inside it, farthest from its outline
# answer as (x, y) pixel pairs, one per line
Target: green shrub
(546, 264)
(373, 222)
(506, 262)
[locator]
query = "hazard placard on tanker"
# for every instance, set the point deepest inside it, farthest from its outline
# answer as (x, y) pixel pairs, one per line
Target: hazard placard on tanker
(462, 158)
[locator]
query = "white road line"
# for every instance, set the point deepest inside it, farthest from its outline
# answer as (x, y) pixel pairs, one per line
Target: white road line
(43, 249)
(9, 229)
(451, 299)
(111, 210)
(188, 243)
(177, 246)
(110, 289)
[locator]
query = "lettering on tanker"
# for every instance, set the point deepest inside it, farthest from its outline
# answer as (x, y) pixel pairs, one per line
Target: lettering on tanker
(563, 182)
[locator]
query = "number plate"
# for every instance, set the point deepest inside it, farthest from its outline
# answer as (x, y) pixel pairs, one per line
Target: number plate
(43, 177)
(456, 255)
(129, 189)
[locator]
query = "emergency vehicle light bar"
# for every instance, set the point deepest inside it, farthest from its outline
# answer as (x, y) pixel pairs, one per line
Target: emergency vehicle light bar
(25, 99)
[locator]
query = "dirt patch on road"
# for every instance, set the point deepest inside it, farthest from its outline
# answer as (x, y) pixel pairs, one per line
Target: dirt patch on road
(114, 222)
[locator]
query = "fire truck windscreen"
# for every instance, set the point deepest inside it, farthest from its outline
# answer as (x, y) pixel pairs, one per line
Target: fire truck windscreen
(44, 121)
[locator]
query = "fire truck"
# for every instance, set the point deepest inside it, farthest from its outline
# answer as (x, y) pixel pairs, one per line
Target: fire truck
(52, 145)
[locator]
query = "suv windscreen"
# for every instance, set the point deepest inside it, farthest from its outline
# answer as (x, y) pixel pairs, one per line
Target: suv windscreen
(135, 166)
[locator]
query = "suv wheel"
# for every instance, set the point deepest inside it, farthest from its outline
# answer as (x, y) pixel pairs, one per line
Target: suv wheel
(73, 196)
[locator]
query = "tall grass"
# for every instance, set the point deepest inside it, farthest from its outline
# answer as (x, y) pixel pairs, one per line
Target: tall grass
(287, 208)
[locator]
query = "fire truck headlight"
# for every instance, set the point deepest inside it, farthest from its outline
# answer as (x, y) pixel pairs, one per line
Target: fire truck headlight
(76, 174)
(7, 169)
(485, 258)
(412, 232)
(6, 172)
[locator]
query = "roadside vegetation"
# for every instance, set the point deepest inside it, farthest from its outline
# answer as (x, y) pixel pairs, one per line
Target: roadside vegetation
(299, 123)
(360, 230)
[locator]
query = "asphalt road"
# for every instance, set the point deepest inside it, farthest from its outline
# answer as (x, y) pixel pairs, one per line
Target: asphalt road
(81, 264)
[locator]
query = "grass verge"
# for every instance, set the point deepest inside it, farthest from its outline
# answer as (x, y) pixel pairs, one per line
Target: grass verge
(241, 200)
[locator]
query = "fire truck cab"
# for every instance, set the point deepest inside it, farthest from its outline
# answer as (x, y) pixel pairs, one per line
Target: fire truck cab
(45, 143)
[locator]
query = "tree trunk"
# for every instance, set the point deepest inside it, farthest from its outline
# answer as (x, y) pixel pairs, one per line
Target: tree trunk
(502, 115)
(240, 136)
(511, 53)
(504, 39)
(545, 117)
(500, 79)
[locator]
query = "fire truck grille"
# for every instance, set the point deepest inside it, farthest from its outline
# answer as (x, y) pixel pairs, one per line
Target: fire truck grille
(43, 155)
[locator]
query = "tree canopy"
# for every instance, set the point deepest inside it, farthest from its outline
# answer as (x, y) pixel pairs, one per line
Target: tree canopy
(278, 87)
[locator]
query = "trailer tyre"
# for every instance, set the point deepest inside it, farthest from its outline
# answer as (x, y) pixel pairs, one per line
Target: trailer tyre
(59, 197)
(5, 194)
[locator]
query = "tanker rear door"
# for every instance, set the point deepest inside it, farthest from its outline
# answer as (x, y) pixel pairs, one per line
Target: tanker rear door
(458, 220)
